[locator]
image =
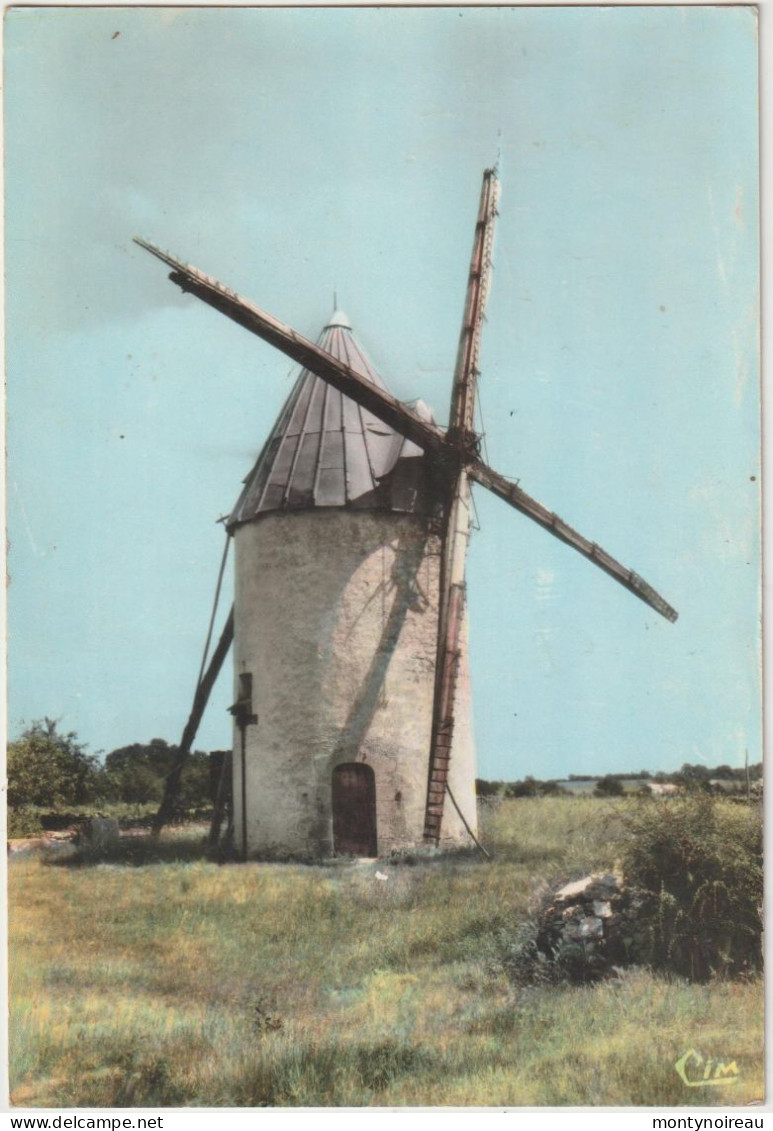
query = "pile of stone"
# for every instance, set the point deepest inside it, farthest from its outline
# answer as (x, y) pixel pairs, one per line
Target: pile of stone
(590, 927)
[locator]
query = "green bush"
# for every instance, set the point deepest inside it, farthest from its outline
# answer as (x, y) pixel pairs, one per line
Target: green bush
(527, 962)
(485, 788)
(609, 786)
(137, 774)
(46, 767)
(24, 822)
(695, 863)
(532, 787)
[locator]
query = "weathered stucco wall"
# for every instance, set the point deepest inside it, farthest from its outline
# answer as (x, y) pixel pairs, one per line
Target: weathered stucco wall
(336, 620)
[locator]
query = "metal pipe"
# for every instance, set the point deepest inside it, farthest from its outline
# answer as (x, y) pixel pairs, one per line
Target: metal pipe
(243, 729)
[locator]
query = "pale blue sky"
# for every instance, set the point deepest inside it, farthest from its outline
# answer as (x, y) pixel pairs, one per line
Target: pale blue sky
(291, 152)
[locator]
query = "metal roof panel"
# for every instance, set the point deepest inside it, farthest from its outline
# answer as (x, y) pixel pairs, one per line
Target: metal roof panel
(325, 451)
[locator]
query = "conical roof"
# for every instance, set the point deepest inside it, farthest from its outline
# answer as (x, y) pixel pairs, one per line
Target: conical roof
(327, 451)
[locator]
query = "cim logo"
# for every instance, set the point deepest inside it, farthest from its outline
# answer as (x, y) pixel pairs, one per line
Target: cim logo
(697, 1071)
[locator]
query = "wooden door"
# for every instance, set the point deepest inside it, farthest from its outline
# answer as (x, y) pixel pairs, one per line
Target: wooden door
(354, 810)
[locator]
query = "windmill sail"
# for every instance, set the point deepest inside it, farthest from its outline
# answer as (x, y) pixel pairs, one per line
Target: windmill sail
(458, 503)
(399, 416)
(556, 526)
(338, 373)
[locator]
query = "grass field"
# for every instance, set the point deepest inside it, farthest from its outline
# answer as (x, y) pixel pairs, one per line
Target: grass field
(169, 980)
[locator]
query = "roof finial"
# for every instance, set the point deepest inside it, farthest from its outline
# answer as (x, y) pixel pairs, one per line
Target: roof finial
(338, 317)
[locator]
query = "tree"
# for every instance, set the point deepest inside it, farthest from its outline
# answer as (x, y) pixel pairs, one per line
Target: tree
(609, 786)
(692, 775)
(485, 788)
(550, 788)
(136, 774)
(47, 768)
(529, 787)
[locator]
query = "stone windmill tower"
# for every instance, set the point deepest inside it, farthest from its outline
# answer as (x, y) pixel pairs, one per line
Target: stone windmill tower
(337, 544)
(352, 707)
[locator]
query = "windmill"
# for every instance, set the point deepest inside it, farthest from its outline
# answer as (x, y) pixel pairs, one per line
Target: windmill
(311, 769)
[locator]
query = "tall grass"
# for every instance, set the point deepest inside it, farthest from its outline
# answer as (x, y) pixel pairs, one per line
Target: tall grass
(148, 982)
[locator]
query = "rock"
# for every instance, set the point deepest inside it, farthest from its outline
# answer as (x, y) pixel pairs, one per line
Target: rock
(31, 845)
(599, 885)
(571, 891)
(587, 927)
(99, 832)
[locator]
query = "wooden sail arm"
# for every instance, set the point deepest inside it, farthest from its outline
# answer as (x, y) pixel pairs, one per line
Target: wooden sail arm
(462, 415)
(512, 494)
(200, 700)
(463, 443)
(341, 376)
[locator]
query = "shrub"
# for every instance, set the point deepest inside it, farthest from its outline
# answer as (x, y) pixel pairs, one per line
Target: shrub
(46, 767)
(527, 963)
(551, 789)
(485, 788)
(529, 787)
(609, 786)
(690, 903)
(24, 822)
(696, 865)
(532, 787)
(137, 774)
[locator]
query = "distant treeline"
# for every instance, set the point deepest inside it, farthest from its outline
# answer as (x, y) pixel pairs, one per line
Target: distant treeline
(51, 770)
(691, 776)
